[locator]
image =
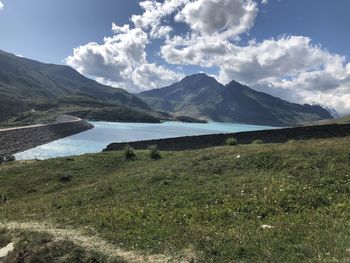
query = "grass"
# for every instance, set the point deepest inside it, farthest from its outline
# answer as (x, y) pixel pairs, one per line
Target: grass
(5, 238)
(212, 202)
(42, 248)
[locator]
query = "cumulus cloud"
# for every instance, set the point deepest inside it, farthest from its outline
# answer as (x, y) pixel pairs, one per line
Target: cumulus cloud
(121, 61)
(1, 6)
(222, 18)
(154, 14)
(198, 50)
(285, 56)
(214, 24)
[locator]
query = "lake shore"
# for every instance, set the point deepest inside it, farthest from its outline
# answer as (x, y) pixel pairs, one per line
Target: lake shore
(105, 133)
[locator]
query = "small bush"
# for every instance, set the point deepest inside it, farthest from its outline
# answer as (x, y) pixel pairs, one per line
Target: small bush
(65, 178)
(129, 153)
(258, 141)
(7, 158)
(154, 152)
(231, 141)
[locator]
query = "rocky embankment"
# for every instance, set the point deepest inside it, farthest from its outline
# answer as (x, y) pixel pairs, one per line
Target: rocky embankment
(16, 140)
(267, 136)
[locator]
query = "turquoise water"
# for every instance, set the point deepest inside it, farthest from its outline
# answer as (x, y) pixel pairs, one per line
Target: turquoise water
(104, 133)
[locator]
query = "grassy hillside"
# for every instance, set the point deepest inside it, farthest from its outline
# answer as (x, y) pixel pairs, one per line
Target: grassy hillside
(341, 120)
(255, 203)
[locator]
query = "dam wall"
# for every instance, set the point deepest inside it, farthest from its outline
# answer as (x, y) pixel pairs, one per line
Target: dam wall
(267, 136)
(16, 140)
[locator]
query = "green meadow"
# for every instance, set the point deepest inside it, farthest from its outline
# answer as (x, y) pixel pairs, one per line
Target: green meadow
(253, 203)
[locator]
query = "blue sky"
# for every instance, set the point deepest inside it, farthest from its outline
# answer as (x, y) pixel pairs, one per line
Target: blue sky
(48, 30)
(294, 49)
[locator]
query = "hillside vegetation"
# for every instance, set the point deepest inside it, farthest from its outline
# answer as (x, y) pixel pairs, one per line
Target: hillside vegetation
(254, 203)
(341, 120)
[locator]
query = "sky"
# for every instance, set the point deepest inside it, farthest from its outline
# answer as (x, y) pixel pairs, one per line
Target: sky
(294, 49)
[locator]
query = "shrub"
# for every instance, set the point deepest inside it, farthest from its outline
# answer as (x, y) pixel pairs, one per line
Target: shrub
(65, 178)
(231, 141)
(7, 158)
(154, 152)
(258, 141)
(3, 198)
(129, 153)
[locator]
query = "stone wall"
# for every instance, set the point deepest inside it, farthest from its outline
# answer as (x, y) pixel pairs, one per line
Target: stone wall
(20, 139)
(267, 136)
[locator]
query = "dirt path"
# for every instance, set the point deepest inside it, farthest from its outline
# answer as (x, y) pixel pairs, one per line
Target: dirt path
(91, 243)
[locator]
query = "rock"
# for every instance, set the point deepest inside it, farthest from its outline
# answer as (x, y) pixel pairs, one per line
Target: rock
(6, 250)
(267, 227)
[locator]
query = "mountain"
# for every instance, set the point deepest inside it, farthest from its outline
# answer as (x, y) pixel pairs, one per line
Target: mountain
(33, 90)
(201, 96)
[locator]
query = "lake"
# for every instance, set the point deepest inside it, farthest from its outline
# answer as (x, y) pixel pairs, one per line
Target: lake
(104, 133)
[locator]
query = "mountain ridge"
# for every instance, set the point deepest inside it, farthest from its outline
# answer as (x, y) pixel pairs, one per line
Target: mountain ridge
(34, 92)
(202, 96)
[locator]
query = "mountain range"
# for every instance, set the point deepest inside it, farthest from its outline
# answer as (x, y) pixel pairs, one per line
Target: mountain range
(201, 96)
(34, 92)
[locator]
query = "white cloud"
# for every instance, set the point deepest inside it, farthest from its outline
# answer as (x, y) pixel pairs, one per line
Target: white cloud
(222, 18)
(214, 24)
(264, 2)
(121, 61)
(154, 14)
(271, 58)
(194, 50)
(1, 6)
(151, 76)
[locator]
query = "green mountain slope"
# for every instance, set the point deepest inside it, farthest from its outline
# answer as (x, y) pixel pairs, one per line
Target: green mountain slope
(28, 87)
(201, 96)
